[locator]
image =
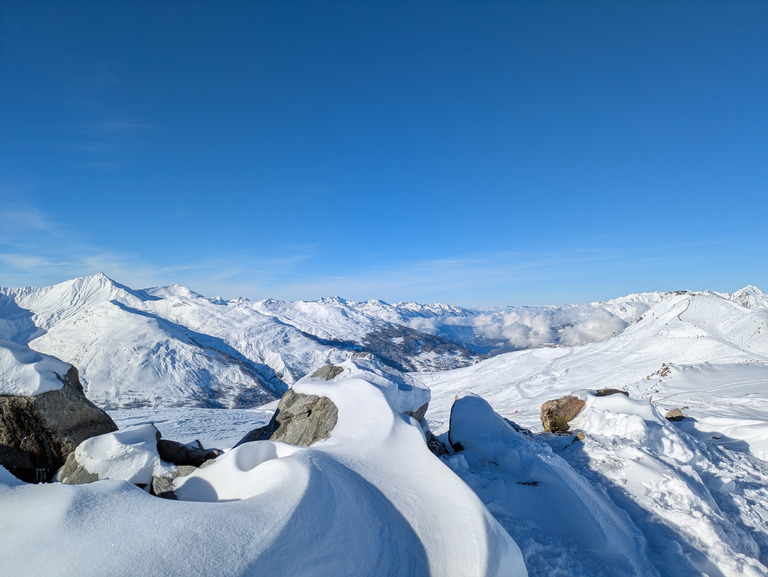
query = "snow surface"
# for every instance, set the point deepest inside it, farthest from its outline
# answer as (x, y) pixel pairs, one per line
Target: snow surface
(695, 491)
(560, 519)
(27, 372)
(127, 455)
(638, 495)
(370, 500)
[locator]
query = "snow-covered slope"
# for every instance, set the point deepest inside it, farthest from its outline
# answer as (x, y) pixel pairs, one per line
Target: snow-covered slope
(169, 346)
(682, 352)
(697, 490)
(131, 352)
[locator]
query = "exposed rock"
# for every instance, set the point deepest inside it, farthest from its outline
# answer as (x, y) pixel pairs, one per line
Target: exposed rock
(38, 432)
(607, 392)
(555, 414)
(434, 444)
(419, 413)
(675, 415)
(73, 473)
(299, 420)
(327, 372)
(181, 454)
(162, 486)
(261, 433)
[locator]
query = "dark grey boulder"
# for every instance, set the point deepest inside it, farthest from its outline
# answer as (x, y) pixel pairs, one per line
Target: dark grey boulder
(299, 420)
(419, 413)
(182, 454)
(434, 444)
(556, 413)
(73, 473)
(38, 432)
(162, 485)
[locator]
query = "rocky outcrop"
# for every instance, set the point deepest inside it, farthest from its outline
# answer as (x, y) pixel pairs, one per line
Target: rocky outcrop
(608, 392)
(434, 444)
(162, 485)
(73, 473)
(183, 454)
(556, 413)
(299, 420)
(419, 413)
(327, 372)
(38, 432)
(675, 415)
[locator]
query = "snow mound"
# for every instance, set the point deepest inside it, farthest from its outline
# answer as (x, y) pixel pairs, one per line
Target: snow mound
(27, 372)
(679, 490)
(404, 393)
(369, 500)
(563, 524)
(129, 455)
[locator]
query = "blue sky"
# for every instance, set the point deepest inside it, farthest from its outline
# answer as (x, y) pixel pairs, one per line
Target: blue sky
(465, 152)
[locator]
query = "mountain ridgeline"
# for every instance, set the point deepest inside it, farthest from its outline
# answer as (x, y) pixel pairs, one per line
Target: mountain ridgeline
(169, 346)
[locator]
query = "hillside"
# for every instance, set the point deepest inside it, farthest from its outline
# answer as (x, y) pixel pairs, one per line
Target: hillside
(169, 346)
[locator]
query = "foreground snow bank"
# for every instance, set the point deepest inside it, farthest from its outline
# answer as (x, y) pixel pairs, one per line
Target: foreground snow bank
(370, 500)
(130, 455)
(563, 523)
(702, 508)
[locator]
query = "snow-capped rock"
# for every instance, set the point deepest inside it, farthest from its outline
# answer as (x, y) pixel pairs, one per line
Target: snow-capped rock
(44, 414)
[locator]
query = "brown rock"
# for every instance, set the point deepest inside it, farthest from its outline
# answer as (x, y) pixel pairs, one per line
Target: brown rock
(607, 392)
(555, 414)
(419, 413)
(675, 415)
(327, 372)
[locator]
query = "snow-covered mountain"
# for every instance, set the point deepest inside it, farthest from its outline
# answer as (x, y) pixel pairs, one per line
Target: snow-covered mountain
(632, 494)
(487, 330)
(169, 346)
(693, 489)
(693, 350)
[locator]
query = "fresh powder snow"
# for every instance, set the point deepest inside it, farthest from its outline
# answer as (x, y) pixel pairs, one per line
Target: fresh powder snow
(632, 494)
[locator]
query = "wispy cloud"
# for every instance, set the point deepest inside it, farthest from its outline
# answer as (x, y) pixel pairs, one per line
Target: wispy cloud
(38, 249)
(119, 126)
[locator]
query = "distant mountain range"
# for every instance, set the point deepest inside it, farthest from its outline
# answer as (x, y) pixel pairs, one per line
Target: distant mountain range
(169, 346)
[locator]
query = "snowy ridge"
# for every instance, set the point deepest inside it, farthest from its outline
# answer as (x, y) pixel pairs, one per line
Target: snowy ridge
(169, 346)
(694, 490)
(485, 330)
